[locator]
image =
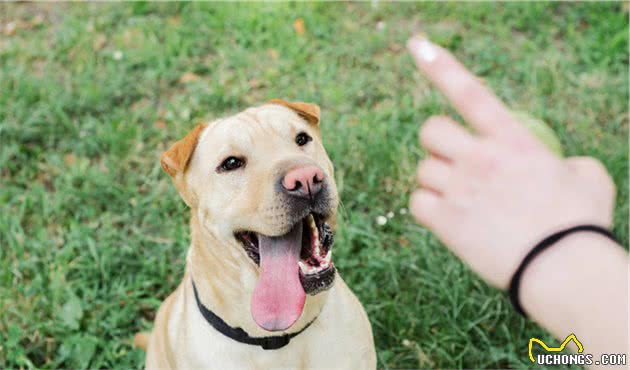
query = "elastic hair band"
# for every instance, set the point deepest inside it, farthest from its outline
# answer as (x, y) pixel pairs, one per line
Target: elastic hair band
(515, 283)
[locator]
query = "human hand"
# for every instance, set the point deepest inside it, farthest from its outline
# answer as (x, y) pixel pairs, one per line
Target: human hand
(490, 196)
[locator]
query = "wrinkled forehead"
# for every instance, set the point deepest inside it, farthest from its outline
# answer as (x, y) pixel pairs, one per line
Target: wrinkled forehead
(267, 121)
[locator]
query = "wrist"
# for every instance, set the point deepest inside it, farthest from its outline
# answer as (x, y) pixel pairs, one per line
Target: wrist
(568, 280)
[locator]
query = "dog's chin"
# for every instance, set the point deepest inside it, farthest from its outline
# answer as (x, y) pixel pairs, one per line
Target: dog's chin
(316, 269)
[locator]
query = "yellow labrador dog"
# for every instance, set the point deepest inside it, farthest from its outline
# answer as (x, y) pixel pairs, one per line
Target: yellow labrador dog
(260, 289)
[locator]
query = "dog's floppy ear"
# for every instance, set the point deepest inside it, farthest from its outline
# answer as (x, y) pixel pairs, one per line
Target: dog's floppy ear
(310, 112)
(176, 159)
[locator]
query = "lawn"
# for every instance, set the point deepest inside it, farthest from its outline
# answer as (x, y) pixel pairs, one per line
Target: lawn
(93, 235)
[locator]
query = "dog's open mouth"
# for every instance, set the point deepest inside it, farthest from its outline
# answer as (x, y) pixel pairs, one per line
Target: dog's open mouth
(317, 271)
(291, 265)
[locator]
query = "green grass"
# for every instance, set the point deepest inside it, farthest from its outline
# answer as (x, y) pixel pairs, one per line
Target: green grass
(93, 235)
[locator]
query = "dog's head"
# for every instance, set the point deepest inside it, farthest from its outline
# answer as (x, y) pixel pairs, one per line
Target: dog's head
(262, 182)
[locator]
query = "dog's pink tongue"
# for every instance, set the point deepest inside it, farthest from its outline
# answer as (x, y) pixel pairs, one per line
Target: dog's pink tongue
(278, 298)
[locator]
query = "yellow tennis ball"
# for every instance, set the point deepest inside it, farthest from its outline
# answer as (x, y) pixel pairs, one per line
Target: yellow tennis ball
(541, 130)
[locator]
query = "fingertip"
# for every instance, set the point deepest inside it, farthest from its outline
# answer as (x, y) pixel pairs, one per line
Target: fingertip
(423, 50)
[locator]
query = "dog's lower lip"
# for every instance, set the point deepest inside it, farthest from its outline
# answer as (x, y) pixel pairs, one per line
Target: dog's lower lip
(249, 241)
(315, 265)
(320, 281)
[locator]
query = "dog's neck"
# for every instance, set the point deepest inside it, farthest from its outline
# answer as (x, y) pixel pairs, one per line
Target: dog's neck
(225, 278)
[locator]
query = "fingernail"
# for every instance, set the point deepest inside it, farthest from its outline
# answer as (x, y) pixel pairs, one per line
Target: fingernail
(423, 48)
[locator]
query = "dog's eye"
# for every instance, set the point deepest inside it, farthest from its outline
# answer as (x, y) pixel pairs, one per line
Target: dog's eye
(302, 139)
(230, 164)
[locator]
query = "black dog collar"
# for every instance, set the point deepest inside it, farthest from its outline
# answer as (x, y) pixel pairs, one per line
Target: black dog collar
(239, 335)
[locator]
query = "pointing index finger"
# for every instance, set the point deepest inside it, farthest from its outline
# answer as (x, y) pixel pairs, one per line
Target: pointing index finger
(474, 101)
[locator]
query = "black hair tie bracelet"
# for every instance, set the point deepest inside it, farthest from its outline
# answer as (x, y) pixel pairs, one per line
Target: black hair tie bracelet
(513, 290)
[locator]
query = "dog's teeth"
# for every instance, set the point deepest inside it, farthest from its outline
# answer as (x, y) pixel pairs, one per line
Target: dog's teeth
(313, 225)
(303, 267)
(327, 258)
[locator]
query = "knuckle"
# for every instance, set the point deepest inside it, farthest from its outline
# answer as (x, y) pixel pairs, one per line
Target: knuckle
(424, 166)
(431, 174)
(431, 127)
(593, 171)
(589, 166)
(471, 91)
(596, 167)
(586, 164)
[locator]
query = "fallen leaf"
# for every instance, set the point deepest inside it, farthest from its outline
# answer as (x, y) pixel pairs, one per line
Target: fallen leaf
(103, 167)
(132, 37)
(395, 48)
(159, 124)
(188, 77)
(10, 28)
(254, 83)
(423, 359)
(37, 20)
(388, 183)
(143, 103)
(273, 54)
(45, 179)
(99, 42)
(174, 20)
(69, 159)
(299, 27)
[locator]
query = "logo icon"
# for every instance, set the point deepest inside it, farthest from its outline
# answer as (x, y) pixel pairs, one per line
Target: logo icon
(569, 338)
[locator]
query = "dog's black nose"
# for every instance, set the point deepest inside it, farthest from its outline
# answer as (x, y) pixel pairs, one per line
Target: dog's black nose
(303, 182)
